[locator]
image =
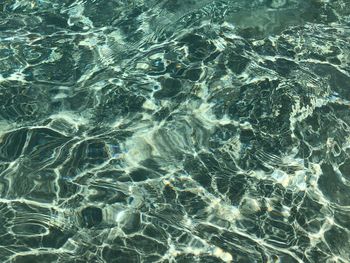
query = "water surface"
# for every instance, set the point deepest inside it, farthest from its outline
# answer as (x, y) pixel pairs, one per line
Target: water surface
(174, 131)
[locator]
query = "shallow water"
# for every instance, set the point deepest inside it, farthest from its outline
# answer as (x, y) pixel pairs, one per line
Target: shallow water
(174, 131)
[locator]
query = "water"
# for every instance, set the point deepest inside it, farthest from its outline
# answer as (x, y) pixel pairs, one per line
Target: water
(174, 131)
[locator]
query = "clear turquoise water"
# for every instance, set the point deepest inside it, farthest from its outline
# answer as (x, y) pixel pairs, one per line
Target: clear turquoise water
(174, 131)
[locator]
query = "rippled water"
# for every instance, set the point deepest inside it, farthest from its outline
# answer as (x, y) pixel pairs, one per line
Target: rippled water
(175, 131)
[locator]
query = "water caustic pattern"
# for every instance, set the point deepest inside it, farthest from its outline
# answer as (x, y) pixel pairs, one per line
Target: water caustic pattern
(174, 131)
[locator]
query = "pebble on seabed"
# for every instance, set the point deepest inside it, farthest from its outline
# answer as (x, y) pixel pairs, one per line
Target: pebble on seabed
(225, 256)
